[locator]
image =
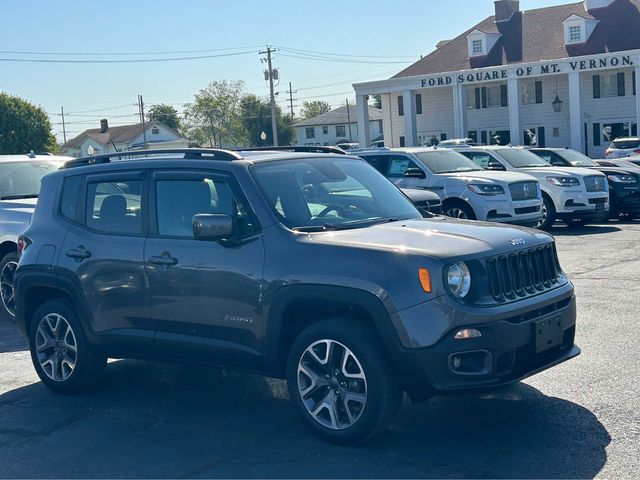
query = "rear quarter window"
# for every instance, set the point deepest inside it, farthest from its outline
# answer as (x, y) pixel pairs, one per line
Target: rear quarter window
(69, 197)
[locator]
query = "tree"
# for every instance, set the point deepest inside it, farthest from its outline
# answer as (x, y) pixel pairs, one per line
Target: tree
(164, 113)
(24, 127)
(256, 118)
(376, 101)
(214, 116)
(312, 109)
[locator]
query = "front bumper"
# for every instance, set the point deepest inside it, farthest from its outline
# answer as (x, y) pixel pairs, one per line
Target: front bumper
(625, 199)
(504, 210)
(579, 204)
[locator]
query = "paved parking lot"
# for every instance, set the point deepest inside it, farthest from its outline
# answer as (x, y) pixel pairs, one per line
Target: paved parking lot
(581, 419)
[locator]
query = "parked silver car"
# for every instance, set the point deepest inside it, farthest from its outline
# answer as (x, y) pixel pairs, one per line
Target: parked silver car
(623, 147)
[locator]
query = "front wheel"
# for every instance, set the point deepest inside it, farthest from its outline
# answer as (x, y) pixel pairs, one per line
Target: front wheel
(340, 381)
(548, 214)
(460, 210)
(63, 358)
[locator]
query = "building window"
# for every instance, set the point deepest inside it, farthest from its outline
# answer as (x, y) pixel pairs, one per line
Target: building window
(310, 132)
(476, 47)
(341, 131)
(494, 97)
(609, 85)
(470, 95)
(325, 130)
(575, 33)
(400, 105)
(611, 131)
(155, 131)
(418, 104)
(500, 137)
(531, 91)
(534, 137)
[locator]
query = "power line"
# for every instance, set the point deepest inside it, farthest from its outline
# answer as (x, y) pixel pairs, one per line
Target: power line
(131, 60)
(315, 52)
(170, 52)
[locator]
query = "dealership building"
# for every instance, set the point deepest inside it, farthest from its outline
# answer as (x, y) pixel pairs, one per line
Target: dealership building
(561, 76)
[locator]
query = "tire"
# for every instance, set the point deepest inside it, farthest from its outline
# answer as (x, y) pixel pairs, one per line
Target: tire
(459, 209)
(56, 324)
(8, 266)
(364, 377)
(548, 214)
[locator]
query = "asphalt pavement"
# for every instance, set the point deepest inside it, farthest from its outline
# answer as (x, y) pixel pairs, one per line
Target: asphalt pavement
(580, 419)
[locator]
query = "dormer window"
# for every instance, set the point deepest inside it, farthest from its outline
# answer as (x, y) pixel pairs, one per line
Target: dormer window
(578, 29)
(480, 43)
(575, 33)
(476, 47)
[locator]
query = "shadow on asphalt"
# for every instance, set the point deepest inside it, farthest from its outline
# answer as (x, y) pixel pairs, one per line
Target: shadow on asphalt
(10, 338)
(559, 230)
(157, 420)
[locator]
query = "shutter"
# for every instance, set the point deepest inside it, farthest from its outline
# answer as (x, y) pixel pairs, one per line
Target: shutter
(596, 134)
(596, 86)
(400, 105)
(483, 91)
(541, 139)
(538, 91)
(504, 96)
(402, 144)
(418, 104)
(633, 81)
(483, 137)
(477, 98)
(443, 137)
(621, 84)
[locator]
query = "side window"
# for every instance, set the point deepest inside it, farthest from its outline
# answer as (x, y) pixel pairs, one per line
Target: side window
(69, 200)
(114, 206)
(546, 156)
(483, 160)
(177, 201)
(379, 162)
(400, 164)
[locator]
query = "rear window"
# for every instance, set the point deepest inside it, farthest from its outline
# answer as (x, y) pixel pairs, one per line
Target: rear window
(625, 144)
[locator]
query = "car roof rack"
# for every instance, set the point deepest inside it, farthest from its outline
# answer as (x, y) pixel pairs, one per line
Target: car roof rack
(188, 154)
(370, 149)
(295, 148)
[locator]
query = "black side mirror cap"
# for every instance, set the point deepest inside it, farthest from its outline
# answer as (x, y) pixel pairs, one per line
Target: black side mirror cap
(212, 227)
(414, 173)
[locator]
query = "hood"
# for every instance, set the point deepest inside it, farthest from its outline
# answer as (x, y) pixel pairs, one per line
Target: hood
(490, 176)
(560, 171)
(26, 205)
(614, 170)
(439, 237)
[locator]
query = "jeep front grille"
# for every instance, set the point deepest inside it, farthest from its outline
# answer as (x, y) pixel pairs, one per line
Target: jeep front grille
(595, 183)
(524, 273)
(523, 190)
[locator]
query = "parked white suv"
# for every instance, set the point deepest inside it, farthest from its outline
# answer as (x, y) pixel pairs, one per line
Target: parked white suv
(574, 195)
(466, 190)
(623, 147)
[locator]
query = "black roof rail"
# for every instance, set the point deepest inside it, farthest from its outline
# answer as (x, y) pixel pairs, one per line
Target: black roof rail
(295, 148)
(188, 153)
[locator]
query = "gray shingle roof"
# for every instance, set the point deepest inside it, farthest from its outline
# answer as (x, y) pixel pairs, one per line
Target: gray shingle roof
(119, 134)
(338, 116)
(538, 34)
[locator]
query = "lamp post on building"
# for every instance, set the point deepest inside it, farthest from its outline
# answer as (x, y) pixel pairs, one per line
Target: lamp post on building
(557, 103)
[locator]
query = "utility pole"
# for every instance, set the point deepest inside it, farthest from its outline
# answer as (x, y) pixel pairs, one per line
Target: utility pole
(144, 128)
(291, 91)
(269, 75)
(349, 121)
(64, 128)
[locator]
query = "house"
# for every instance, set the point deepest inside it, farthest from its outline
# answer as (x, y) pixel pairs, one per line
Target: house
(108, 139)
(564, 75)
(336, 126)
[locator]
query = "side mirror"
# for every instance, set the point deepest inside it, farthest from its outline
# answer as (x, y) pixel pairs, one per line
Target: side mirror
(495, 167)
(414, 173)
(557, 164)
(208, 226)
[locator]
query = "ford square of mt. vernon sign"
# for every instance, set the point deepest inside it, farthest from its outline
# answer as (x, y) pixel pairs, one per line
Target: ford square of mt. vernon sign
(563, 66)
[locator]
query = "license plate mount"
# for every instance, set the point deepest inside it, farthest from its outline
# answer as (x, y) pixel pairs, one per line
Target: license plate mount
(548, 333)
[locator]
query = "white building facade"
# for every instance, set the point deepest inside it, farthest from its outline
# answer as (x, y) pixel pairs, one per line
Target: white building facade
(337, 126)
(579, 97)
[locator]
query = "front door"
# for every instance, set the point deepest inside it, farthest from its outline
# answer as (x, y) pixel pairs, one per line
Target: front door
(204, 295)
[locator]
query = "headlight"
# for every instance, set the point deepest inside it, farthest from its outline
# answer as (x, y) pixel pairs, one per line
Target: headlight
(564, 181)
(459, 279)
(483, 189)
(622, 178)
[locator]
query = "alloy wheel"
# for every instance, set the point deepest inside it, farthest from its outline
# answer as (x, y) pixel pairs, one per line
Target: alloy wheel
(6, 287)
(56, 347)
(456, 212)
(332, 384)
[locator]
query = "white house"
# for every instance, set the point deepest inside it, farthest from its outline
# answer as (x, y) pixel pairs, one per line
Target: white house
(337, 126)
(124, 137)
(565, 75)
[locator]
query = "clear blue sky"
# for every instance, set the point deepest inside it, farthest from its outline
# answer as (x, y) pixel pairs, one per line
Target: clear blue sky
(399, 29)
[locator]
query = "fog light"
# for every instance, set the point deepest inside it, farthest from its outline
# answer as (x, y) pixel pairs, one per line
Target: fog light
(467, 333)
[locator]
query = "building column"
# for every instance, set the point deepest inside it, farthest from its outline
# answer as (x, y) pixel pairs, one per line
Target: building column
(387, 128)
(362, 112)
(458, 111)
(410, 128)
(514, 111)
(638, 95)
(575, 111)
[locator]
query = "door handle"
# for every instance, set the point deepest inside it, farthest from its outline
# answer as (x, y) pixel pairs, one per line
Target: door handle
(164, 260)
(78, 253)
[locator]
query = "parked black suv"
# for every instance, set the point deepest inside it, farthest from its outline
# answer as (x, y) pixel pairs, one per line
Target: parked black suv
(309, 267)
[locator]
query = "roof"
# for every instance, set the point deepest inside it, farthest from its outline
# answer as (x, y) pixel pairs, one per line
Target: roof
(338, 116)
(535, 35)
(119, 134)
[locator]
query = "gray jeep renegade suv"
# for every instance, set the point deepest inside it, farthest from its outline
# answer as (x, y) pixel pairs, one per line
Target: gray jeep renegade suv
(303, 266)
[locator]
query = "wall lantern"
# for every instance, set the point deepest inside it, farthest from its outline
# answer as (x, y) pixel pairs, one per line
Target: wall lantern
(557, 103)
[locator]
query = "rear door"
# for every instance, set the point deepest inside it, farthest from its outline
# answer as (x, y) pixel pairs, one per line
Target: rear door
(204, 295)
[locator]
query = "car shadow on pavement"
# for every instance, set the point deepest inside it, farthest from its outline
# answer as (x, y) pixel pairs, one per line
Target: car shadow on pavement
(165, 421)
(561, 230)
(10, 338)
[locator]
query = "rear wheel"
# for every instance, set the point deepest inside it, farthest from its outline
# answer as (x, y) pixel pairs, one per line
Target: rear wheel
(548, 214)
(340, 381)
(61, 354)
(8, 266)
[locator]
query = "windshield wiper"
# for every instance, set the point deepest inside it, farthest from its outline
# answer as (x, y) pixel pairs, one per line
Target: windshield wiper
(17, 197)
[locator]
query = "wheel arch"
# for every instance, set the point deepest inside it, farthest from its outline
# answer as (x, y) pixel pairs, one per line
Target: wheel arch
(451, 201)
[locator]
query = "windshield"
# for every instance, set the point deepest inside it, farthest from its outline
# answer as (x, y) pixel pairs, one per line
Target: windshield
(521, 158)
(446, 161)
(22, 179)
(327, 194)
(576, 159)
